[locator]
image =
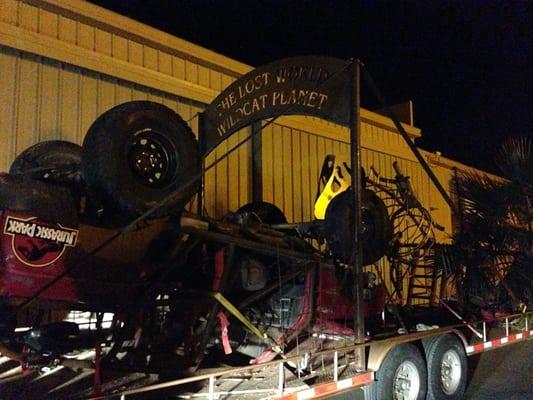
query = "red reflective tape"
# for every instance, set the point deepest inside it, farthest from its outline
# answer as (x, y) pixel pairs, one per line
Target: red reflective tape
(367, 377)
(327, 388)
(292, 396)
(479, 347)
(496, 342)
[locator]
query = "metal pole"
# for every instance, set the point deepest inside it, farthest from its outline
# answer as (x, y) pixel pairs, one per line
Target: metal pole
(201, 144)
(336, 366)
(281, 378)
(357, 256)
(211, 393)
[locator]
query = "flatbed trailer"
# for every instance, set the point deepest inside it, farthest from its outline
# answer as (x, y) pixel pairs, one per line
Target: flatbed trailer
(429, 362)
(336, 372)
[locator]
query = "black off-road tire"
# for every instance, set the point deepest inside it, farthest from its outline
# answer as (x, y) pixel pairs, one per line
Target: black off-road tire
(435, 349)
(35, 198)
(339, 227)
(127, 147)
(382, 388)
(52, 160)
(264, 212)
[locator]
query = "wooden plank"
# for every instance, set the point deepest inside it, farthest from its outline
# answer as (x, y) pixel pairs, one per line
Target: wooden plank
(277, 165)
(306, 186)
(106, 95)
(88, 103)
(215, 80)
(226, 81)
(8, 83)
(315, 163)
(35, 43)
(86, 34)
(150, 58)
(232, 174)
(69, 86)
(48, 23)
(164, 63)
(221, 194)
(138, 93)
(171, 102)
(287, 168)
(9, 11)
(49, 101)
(27, 107)
(155, 96)
(28, 17)
(178, 67)
(245, 167)
(296, 172)
(203, 76)
(191, 71)
(135, 53)
(267, 164)
(123, 92)
(102, 42)
(119, 47)
(67, 30)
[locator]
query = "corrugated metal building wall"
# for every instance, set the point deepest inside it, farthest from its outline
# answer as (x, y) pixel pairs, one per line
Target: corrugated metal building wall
(64, 62)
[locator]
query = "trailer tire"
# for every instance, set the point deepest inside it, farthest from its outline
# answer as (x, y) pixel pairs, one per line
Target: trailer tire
(138, 153)
(447, 367)
(403, 365)
(52, 160)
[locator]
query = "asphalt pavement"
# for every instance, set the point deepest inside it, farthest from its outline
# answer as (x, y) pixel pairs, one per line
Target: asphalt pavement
(502, 374)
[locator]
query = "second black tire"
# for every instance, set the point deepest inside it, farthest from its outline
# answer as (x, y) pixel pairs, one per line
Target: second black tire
(137, 154)
(447, 367)
(53, 160)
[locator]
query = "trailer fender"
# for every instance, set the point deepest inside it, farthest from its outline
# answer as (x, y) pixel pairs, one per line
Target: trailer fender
(378, 352)
(461, 336)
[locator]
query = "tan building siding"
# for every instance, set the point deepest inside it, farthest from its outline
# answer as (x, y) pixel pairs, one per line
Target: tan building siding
(46, 99)
(64, 62)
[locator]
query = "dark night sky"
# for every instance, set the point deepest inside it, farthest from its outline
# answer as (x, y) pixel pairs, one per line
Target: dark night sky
(465, 64)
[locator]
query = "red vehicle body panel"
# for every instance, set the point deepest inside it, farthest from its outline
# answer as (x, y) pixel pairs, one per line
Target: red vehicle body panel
(29, 261)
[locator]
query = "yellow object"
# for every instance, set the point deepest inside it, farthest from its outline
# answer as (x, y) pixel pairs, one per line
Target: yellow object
(334, 186)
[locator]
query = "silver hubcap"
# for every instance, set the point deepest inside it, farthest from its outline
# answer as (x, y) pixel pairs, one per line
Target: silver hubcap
(450, 372)
(406, 384)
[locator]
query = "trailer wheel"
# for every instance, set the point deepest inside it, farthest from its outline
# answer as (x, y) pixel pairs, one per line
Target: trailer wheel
(447, 367)
(137, 154)
(53, 160)
(401, 376)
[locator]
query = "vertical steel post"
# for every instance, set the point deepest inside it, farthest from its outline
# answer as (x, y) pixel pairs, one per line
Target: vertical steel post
(357, 259)
(211, 393)
(506, 326)
(201, 143)
(281, 378)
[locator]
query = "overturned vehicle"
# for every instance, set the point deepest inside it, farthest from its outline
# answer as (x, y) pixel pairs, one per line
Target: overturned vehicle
(101, 228)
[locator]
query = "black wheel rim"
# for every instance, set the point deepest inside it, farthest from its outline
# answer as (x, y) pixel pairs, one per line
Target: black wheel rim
(152, 158)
